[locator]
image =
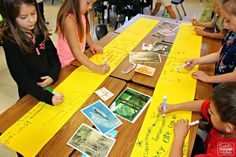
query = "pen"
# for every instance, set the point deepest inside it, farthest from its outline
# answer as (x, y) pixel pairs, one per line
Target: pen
(164, 106)
(194, 123)
(105, 61)
(182, 66)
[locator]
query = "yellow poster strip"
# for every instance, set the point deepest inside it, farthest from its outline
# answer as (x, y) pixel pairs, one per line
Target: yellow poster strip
(31, 132)
(156, 135)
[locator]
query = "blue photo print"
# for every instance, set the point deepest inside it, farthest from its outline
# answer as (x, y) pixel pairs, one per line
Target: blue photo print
(101, 116)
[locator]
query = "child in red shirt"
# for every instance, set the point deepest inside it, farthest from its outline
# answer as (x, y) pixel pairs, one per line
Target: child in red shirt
(221, 112)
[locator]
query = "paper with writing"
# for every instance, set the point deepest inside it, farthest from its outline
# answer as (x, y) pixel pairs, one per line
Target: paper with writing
(31, 132)
(156, 134)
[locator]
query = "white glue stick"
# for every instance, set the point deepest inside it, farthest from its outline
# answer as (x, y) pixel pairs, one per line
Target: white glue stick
(194, 123)
(182, 66)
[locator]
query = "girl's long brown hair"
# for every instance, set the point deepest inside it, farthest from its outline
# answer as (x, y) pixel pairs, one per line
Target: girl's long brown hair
(10, 10)
(72, 7)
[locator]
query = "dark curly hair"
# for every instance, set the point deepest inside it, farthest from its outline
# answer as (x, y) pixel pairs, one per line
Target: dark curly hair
(224, 98)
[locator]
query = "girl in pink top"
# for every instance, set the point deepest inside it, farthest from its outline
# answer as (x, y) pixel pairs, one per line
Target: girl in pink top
(73, 32)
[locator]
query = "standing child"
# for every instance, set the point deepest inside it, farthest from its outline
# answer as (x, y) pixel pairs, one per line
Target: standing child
(216, 23)
(167, 5)
(225, 59)
(73, 31)
(221, 112)
(30, 54)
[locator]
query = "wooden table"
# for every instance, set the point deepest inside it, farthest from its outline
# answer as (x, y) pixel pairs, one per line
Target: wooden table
(26, 103)
(149, 81)
(149, 39)
(127, 132)
(131, 75)
(57, 145)
(203, 90)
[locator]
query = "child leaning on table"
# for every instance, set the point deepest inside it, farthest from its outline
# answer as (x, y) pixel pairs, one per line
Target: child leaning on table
(216, 23)
(74, 31)
(31, 56)
(221, 112)
(225, 59)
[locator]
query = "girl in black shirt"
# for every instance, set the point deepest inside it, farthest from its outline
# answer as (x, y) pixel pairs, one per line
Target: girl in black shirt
(31, 56)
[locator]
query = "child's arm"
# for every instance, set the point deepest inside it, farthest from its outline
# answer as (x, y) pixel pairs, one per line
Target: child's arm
(228, 77)
(73, 41)
(210, 58)
(196, 22)
(186, 106)
(93, 48)
(204, 33)
(180, 132)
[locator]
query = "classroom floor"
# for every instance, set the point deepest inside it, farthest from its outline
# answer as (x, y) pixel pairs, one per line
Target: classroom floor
(8, 92)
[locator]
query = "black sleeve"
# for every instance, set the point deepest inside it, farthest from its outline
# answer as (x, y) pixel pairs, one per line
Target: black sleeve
(54, 62)
(21, 75)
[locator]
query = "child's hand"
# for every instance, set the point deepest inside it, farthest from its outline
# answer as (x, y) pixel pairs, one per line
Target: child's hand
(181, 129)
(199, 31)
(103, 68)
(96, 49)
(195, 22)
(169, 108)
(192, 62)
(57, 99)
(202, 76)
(47, 80)
(106, 68)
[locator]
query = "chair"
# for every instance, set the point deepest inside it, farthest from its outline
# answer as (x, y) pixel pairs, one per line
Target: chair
(101, 31)
(99, 7)
(110, 4)
(145, 3)
(125, 12)
(176, 3)
(125, 7)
